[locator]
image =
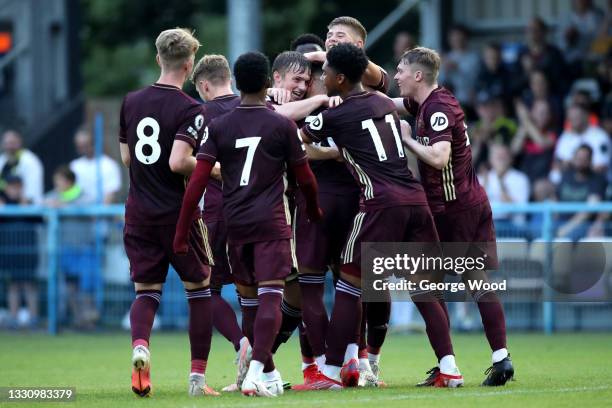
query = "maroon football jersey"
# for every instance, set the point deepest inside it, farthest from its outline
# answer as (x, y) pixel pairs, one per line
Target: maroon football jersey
(150, 120)
(366, 128)
(213, 197)
(455, 187)
(254, 145)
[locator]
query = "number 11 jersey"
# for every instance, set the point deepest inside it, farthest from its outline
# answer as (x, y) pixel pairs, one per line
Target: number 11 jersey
(254, 145)
(151, 120)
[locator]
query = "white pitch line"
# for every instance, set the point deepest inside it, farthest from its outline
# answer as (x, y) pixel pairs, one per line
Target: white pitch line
(435, 396)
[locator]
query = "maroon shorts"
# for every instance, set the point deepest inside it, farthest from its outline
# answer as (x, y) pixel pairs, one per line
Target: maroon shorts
(319, 244)
(261, 261)
(220, 273)
(149, 250)
(409, 223)
(473, 227)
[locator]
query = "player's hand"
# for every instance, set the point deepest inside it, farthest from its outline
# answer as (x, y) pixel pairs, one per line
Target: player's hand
(279, 95)
(406, 132)
(334, 101)
(180, 246)
(314, 214)
(317, 56)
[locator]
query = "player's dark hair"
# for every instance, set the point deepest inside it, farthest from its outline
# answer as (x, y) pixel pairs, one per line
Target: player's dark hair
(308, 40)
(252, 72)
(290, 61)
(65, 172)
(316, 69)
(349, 60)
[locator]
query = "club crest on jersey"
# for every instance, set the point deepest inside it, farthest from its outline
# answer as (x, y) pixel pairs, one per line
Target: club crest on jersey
(315, 122)
(199, 121)
(438, 121)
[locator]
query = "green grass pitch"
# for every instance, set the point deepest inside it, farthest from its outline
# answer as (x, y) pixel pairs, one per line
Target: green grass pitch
(563, 370)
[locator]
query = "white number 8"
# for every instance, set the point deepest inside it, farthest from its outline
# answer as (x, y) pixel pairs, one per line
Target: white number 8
(144, 140)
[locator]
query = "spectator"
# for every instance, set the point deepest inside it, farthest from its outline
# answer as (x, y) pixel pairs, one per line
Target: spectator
(543, 191)
(20, 162)
(403, 41)
(493, 126)
(540, 55)
(85, 169)
(494, 77)
(535, 139)
(504, 184)
(460, 67)
(539, 90)
(19, 256)
(579, 29)
(581, 132)
(580, 183)
(78, 255)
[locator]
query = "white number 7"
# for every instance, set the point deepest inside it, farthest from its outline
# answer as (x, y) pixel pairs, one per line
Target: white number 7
(251, 143)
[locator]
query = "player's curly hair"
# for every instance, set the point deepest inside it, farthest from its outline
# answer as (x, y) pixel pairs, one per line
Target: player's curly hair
(349, 60)
(290, 61)
(307, 42)
(252, 72)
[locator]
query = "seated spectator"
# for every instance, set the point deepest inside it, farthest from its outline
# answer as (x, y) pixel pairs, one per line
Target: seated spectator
(534, 142)
(19, 256)
(580, 183)
(494, 77)
(78, 252)
(86, 170)
(581, 132)
(539, 90)
(493, 126)
(543, 191)
(583, 98)
(504, 184)
(20, 162)
(460, 67)
(579, 29)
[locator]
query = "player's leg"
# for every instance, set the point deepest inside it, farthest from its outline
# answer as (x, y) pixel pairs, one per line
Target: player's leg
(377, 318)
(291, 311)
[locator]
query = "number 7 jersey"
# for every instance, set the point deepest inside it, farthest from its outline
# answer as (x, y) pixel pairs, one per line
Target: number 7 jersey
(254, 145)
(151, 120)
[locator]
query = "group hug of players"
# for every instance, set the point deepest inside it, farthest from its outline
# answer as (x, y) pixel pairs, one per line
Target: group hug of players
(307, 163)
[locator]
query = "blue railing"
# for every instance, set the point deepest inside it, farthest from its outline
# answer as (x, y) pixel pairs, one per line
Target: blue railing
(52, 218)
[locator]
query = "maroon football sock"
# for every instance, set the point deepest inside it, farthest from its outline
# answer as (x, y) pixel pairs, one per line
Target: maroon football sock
(291, 318)
(344, 323)
(142, 314)
(440, 296)
(314, 314)
(269, 366)
(361, 343)
(249, 312)
(267, 321)
(436, 324)
(200, 325)
(377, 316)
(493, 320)
(224, 320)
(305, 348)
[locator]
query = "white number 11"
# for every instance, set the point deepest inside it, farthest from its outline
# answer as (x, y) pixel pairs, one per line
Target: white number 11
(251, 143)
(380, 149)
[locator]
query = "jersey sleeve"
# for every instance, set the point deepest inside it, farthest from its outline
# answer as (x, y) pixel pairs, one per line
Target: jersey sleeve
(319, 126)
(439, 123)
(208, 147)
(192, 126)
(122, 124)
(411, 106)
(295, 152)
(383, 85)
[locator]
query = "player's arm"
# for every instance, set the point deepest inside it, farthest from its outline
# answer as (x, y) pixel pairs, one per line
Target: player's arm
(309, 187)
(216, 172)
(436, 155)
(376, 78)
(399, 106)
(181, 158)
(197, 184)
(298, 110)
(321, 152)
(124, 149)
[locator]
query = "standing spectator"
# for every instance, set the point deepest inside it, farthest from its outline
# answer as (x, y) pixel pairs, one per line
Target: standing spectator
(505, 184)
(460, 67)
(579, 29)
(580, 183)
(581, 132)
(20, 162)
(19, 256)
(404, 41)
(535, 139)
(539, 90)
(494, 77)
(86, 170)
(540, 55)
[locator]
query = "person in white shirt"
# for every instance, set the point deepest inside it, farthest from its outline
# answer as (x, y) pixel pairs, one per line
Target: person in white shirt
(581, 132)
(20, 162)
(86, 170)
(504, 184)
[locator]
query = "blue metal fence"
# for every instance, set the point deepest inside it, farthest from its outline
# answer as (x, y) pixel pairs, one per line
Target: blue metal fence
(91, 238)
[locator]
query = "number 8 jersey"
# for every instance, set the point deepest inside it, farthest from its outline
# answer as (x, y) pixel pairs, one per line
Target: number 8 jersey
(366, 129)
(151, 120)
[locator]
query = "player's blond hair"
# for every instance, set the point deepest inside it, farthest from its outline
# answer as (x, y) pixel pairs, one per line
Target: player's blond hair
(175, 47)
(213, 68)
(351, 22)
(427, 59)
